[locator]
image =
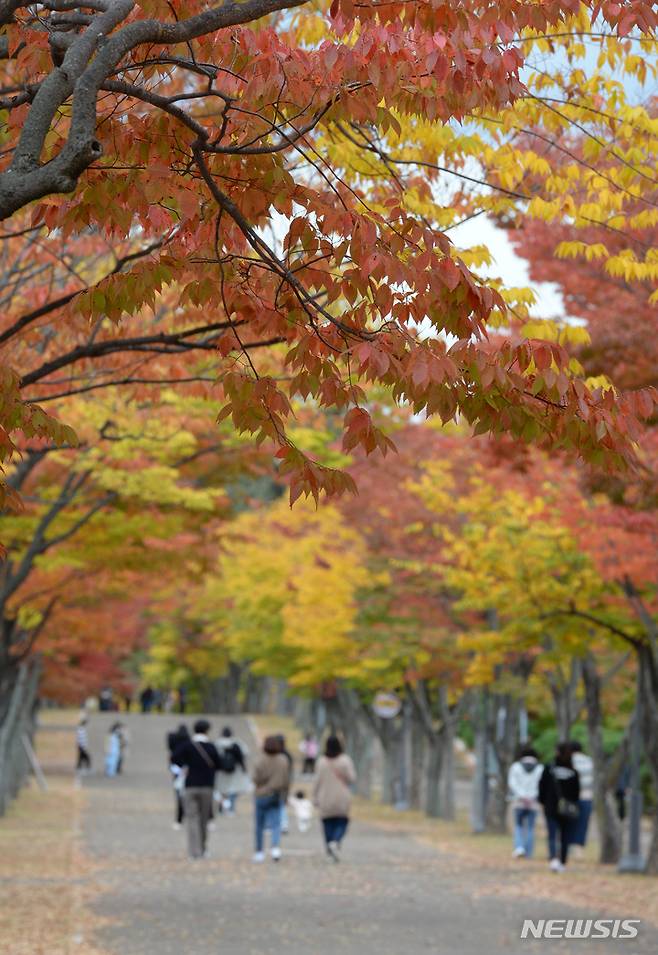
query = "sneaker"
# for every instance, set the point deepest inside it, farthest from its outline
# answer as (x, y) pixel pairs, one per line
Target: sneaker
(276, 854)
(556, 866)
(212, 826)
(176, 826)
(259, 857)
(519, 852)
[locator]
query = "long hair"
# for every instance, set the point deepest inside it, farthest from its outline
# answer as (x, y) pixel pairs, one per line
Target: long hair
(563, 755)
(333, 747)
(272, 745)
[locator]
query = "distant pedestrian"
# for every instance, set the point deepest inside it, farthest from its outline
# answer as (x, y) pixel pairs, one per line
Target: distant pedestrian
(106, 700)
(523, 786)
(176, 738)
(285, 823)
(621, 789)
(232, 780)
(559, 792)
(146, 698)
(182, 699)
(124, 745)
(332, 794)
(309, 749)
(200, 759)
(303, 810)
(113, 750)
(82, 738)
(174, 741)
(127, 702)
(584, 766)
(271, 778)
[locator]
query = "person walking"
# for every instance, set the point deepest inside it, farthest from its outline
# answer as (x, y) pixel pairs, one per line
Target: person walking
(559, 792)
(303, 809)
(124, 745)
(146, 698)
(285, 822)
(309, 749)
(584, 766)
(200, 760)
(335, 775)
(233, 779)
(271, 777)
(83, 764)
(175, 739)
(523, 786)
(113, 750)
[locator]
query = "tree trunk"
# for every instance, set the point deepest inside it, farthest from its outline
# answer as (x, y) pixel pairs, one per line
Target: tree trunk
(433, 795)
(504, 735)
(418, 758)
(255, 693)
(448, 802)
(565, 698)
(648, 684)
(606, 817)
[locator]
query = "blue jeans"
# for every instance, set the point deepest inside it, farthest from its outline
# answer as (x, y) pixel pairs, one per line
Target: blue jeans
(335, 828)
(581, 825)
(524, 830)
(231, 799)
(268, 816)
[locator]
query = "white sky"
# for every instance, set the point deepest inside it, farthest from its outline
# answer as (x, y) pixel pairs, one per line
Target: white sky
(507, 265)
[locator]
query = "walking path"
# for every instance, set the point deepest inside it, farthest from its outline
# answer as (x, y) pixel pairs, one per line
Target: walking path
(391, 895)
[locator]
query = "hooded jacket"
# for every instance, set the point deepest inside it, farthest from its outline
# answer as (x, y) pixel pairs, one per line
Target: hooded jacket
(523, 782)
(558, 782)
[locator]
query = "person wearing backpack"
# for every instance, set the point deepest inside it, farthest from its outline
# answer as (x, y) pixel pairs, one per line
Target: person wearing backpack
(232, 780)
(199, 757)
(559, 792)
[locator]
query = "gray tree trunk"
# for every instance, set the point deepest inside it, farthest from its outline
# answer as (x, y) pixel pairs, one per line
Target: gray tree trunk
(606, 817)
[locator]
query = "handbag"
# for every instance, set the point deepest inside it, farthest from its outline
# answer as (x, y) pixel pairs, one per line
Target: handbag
(566, 808)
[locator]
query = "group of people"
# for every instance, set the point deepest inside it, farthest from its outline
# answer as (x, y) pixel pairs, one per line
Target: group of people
(116, 747)
(564, 788)
(209, 774)
(161, 701)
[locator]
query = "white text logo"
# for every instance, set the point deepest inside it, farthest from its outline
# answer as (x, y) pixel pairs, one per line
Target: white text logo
(580, 928)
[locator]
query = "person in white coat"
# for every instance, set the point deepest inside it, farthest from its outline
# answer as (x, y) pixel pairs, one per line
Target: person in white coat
(523, 786)
(233, 780)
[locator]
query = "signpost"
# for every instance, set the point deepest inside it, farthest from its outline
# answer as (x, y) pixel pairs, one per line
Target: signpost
(387, 705)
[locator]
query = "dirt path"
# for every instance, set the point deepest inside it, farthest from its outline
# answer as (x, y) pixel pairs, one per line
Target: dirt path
(392, 894)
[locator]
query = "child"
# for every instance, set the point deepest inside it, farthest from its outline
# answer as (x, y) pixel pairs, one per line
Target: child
(113, 750)
(303, 809)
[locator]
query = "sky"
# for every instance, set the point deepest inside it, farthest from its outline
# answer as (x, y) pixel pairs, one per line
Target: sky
(507, 265)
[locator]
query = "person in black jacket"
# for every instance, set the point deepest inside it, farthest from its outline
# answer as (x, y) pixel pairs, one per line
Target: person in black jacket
(174, 741)
(199, 757)
(559, 791)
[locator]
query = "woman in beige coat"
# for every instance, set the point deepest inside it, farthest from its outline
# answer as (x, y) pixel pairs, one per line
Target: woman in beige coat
(332, 794)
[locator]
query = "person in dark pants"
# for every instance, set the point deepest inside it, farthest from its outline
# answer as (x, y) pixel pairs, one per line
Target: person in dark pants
(146, 698)
(332, 794)
(84, 759)
(199, 757)
(559, 792)
(174, 740)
